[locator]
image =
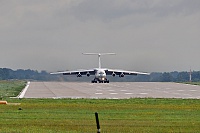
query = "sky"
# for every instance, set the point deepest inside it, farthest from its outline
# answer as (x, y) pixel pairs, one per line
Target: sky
(146, 35)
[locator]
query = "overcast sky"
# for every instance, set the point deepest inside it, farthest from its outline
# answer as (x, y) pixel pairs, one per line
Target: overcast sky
(146, 35)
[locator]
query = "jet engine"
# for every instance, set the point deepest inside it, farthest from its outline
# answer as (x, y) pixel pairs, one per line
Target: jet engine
(113, 74)
(88, 74)
(79, 75)
(121, 75)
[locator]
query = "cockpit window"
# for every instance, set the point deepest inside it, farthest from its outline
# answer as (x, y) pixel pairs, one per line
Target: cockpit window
(101, 73)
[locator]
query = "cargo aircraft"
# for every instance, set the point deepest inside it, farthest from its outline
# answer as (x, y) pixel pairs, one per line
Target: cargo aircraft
(100, 73)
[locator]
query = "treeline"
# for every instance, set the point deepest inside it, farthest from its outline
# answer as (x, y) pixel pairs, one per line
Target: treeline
(9, 74)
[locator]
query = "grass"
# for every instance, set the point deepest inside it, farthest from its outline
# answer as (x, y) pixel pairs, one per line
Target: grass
(192, 83)
(11, 88)
(121, 116)
(77, 115)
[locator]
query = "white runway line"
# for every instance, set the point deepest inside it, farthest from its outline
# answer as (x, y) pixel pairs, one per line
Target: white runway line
(143, 93)
(113, 93)
(22, 93)
(128, 93)
(98, 93)
(194, 85)
(192, 90)
(109, 91)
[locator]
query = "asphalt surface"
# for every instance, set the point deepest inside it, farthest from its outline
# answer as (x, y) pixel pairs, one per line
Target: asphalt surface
(114, 90)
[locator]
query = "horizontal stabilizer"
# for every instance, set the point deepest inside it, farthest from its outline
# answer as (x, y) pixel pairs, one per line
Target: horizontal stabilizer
(99, 53)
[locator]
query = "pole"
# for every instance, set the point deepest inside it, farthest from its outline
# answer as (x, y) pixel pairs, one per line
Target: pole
(190, 75)
(97, 121)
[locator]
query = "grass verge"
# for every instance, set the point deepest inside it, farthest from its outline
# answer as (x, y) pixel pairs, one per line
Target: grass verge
(192, 83)
(77, 115)
(11, 88)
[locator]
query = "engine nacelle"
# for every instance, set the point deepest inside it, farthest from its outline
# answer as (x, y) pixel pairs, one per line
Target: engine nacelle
(121, 75)
(79, 75)
(88, 74)
(113, 74)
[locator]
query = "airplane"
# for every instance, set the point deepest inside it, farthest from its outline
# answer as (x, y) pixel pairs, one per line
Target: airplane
(100, 73)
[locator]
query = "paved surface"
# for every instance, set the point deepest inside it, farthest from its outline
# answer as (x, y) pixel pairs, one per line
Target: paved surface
(114, 90)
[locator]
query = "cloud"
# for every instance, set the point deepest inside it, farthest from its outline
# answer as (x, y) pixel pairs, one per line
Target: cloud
(147, 35)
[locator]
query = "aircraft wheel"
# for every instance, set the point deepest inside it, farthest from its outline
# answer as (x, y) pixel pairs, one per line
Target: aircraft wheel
(93, 81)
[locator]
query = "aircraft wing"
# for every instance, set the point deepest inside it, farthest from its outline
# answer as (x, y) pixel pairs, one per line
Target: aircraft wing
(77, 72)
(123, 72)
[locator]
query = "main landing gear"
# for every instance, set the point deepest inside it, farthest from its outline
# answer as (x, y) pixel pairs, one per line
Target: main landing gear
(100, 81)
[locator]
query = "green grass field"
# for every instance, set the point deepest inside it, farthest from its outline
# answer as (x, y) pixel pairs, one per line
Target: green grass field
(11, 88)
(121, 116)
(192, 83)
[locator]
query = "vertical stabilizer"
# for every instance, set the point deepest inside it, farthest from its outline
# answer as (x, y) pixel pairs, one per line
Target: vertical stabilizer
(99, 56)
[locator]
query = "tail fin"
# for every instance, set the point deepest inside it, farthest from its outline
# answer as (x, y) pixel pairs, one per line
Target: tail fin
(99, 56)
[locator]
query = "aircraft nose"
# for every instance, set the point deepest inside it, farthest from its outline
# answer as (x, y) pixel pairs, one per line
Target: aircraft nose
(102, 74)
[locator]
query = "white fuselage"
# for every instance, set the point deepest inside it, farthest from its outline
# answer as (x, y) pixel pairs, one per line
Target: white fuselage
(100, 74)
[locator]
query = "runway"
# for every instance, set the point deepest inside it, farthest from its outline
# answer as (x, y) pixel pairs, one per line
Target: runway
(114, 90)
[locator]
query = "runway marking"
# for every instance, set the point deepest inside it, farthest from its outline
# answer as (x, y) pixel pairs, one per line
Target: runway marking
(22, 93)
(143, 93)
(113, 98)
(98, 93)
(87, 90)
(113, 93)
(128, 93)
(193, 90)
(194, 85)
(57, 97)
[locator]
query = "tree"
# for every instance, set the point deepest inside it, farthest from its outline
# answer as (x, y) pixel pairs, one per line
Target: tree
(166, 77)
